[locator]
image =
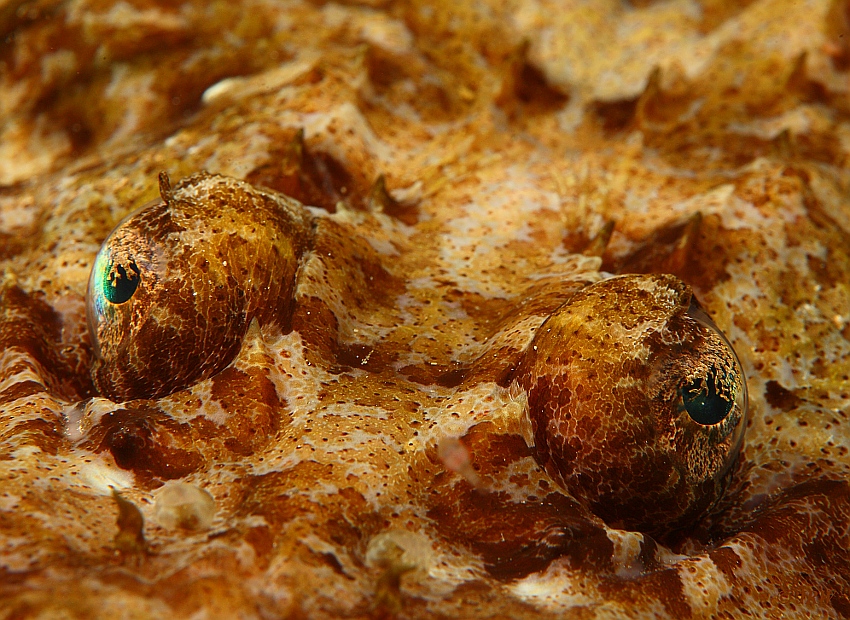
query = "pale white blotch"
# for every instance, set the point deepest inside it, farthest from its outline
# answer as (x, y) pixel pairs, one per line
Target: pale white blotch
(401, 548)
(703, 584)
(184, 506)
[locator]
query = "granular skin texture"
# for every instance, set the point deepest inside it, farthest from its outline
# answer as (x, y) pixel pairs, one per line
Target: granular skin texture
(368, 411)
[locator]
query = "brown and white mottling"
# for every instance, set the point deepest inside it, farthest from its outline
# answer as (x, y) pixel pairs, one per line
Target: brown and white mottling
(202, 262)
(614, 379)
(369, 455)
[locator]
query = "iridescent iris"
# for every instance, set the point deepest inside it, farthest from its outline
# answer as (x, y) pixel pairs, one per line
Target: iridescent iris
(119, 283)
(113, 282)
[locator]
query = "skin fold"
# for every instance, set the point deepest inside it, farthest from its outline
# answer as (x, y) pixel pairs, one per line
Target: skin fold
(420, 310)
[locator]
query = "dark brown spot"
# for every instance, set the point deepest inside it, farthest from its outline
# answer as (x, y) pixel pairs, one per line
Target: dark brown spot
(780, 398)
(525, 537)
(147, 442)
(841, 604)
(525, 89)
(727, 561)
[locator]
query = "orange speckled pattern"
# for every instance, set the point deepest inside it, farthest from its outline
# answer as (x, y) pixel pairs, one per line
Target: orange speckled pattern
(356, 432)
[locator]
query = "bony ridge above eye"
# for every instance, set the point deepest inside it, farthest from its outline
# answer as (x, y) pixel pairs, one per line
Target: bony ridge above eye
(176, 284)
(637, 402)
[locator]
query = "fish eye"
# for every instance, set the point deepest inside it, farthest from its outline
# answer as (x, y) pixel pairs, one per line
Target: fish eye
(637, 402)
(704, 402)
(120, 283)
(177, 283)
(115, 279)
(709, 399)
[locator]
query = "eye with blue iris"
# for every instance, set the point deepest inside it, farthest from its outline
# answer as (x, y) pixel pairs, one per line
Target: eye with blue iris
(119, 283)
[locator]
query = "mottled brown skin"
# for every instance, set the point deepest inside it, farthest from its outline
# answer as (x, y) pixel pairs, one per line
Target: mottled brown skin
(371, 456)
(213, 255)
(604, 375)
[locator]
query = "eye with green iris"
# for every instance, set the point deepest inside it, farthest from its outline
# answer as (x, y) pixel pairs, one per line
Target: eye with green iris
(704, 403)
(119, 283)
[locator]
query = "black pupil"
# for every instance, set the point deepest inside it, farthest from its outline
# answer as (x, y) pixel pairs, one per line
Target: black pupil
(703, 403)
(120, 285)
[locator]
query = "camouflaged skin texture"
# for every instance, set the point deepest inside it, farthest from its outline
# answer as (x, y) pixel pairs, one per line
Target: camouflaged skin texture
(202, 262)
(371, 454)
(604, 378)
